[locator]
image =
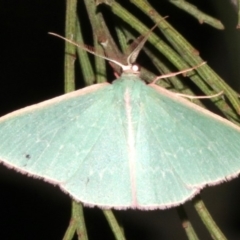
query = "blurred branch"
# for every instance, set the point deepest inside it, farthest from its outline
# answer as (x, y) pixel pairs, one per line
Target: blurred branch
(72, 227)
(122, 38)
(186, 224)
(116, 229)
(207, 219)
(76, 224)
(79, 216)
(85, 64)
(98, 32)
(70, 49)
(201, 16)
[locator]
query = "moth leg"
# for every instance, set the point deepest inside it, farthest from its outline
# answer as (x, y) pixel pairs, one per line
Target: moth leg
(199, 97)
(176, 73)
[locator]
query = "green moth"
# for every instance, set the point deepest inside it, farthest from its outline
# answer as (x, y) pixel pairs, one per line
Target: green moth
(122, 145)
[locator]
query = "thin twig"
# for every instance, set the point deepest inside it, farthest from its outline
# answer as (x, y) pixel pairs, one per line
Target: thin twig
(79, 216)
(195, 12)
(100, 64)
(69, 234)
(207, 219)
(186, 224)
(116, 229)
(70, 50)
(85, 64)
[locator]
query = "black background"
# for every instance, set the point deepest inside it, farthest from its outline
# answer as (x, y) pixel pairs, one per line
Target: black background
(31, 71)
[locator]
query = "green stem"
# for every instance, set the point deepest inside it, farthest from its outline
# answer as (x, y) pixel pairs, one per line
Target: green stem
(100, 64)
(76, 223)
(70, 49)
(207, 219)
(72, 227)
(122, 39)
(102, 36)
(186, 224)
(201, 16)
(85, 64)
(116, 229)
(79, 216)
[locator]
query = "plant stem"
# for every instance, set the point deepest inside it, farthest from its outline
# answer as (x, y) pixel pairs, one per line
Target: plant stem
(116, 229)
(201, 16)
(85, 64)
(69, 234)
(207, 219)
(70, 49)
(100, 64)
(186, 224)
(79, 216)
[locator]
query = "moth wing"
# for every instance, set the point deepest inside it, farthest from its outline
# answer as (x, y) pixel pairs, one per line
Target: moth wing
(76, 141)
(181, 148)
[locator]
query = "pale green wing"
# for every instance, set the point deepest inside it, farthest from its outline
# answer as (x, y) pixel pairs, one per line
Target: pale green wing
(76, 141)
(180, 148)
(122, 145)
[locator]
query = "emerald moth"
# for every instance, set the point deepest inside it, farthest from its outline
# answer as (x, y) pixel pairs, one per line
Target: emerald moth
(122, 145)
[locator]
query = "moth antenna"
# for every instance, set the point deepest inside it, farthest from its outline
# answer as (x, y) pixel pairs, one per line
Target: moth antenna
(91, 50)
(138, 44)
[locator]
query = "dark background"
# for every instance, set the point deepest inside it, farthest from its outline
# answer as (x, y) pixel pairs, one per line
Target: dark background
(31, 71)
